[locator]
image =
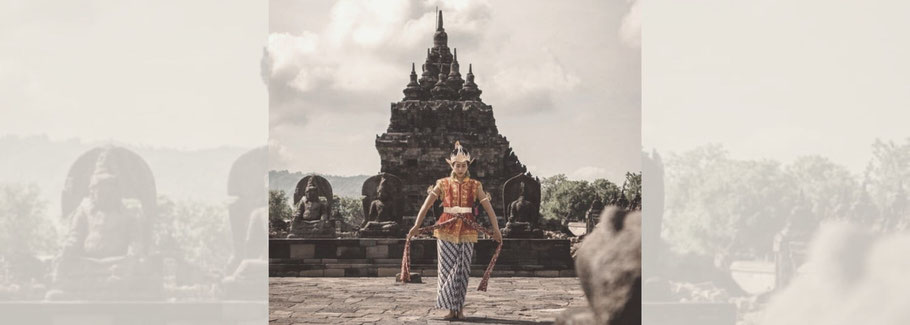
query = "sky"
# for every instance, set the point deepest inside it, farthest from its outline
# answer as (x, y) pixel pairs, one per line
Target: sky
(175, 74)
(563, 79)
(776, 79)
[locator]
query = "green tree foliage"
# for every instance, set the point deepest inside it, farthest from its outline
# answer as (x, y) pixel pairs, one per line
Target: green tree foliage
(885, 179)
(828, 189)
(716, 204)
(280, 211)
(719, 205)
(632, 185)
(25, 227)
(565, 198)
(197, 231)
(350, 209)
(605, 189)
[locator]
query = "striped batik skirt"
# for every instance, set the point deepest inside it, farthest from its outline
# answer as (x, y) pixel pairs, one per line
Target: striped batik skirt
(454, 270)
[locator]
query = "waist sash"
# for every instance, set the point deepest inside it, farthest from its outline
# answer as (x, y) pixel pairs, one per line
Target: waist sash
(406, 256)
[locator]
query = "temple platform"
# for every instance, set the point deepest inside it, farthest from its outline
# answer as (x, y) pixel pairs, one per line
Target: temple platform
(382, 257)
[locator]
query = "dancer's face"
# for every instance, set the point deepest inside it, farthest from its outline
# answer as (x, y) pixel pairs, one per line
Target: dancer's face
(460, 168)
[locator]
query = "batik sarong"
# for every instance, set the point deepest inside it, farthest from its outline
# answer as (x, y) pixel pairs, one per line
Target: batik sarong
(453, 272)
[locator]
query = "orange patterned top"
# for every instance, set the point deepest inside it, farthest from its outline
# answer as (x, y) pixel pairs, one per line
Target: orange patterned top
(457, 194)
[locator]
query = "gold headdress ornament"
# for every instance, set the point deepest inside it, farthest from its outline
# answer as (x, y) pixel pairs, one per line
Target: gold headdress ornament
(459, 155)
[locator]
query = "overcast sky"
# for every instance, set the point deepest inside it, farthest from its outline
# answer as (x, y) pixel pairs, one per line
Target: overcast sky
(563, 79)
(177, 74)
(777, 79)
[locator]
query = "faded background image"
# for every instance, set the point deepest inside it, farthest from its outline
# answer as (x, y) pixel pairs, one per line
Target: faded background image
(133, 177)
(778, 162)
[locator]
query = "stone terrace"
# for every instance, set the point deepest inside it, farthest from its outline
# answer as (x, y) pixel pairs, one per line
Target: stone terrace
(517, 300)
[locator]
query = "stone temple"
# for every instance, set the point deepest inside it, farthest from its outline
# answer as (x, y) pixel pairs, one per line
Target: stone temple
(438, 109)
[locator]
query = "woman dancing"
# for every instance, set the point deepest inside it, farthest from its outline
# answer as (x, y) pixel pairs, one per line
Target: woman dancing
(456, 238)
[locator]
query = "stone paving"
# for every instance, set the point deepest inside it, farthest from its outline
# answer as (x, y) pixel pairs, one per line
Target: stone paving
(380, 300)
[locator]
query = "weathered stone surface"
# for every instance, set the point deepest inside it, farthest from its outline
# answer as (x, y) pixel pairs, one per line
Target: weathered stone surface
(383, 203)
(528, 255)
(388, 271)
(377, 251)
(425, 125)
(350, 252)
(311, 214)
(312, 273)
(303, 251)
(108, 198)
(508, 300)
(609, 267)
(521, 195)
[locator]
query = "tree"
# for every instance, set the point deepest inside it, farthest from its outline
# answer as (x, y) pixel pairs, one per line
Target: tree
(350, 209)
(886, 179)
(26, 232)
(196, 230)
(605, 189)
(26, 227)
(564, 198)
(719, 205)
(828, 189)
(280, 211)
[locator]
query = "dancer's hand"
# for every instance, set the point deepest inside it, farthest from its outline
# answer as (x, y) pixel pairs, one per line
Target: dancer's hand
(413, 232)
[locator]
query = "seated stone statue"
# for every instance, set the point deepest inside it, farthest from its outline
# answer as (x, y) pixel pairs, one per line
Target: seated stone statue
(105, 252)
(381, 219)
(523, 217)
(249, 220)
(311, 217)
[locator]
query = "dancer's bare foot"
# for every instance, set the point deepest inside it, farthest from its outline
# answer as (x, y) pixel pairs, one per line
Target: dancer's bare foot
(451, 315)
(460, 315)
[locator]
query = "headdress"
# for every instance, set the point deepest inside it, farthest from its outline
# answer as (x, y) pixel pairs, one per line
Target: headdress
(459, 155)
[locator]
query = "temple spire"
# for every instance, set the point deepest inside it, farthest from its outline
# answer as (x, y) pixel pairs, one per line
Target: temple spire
(441, 90)
(454, 80)
(470, 91)
(413, 90)
(440, 38)
(439, 20)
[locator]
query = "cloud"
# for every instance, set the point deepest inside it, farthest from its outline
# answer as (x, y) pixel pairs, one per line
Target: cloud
(630, 30)
(279, 155)
(532, 87)
(588, 173)
(360, 59)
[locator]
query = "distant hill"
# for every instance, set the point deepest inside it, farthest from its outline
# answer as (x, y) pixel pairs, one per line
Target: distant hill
(179, 174)
(346, 186)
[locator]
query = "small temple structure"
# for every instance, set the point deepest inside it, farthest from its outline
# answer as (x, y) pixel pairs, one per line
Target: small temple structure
(439, 108)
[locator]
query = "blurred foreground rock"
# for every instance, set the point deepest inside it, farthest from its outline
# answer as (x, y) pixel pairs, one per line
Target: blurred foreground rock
(608, 265)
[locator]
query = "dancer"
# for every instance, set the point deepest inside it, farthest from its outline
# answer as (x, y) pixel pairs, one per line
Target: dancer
(456, 232)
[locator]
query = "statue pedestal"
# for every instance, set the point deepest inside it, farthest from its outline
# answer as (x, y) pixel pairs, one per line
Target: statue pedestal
(521, 230)
(113, 278)
(381, 257)
(387, 229)
(316, 229)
